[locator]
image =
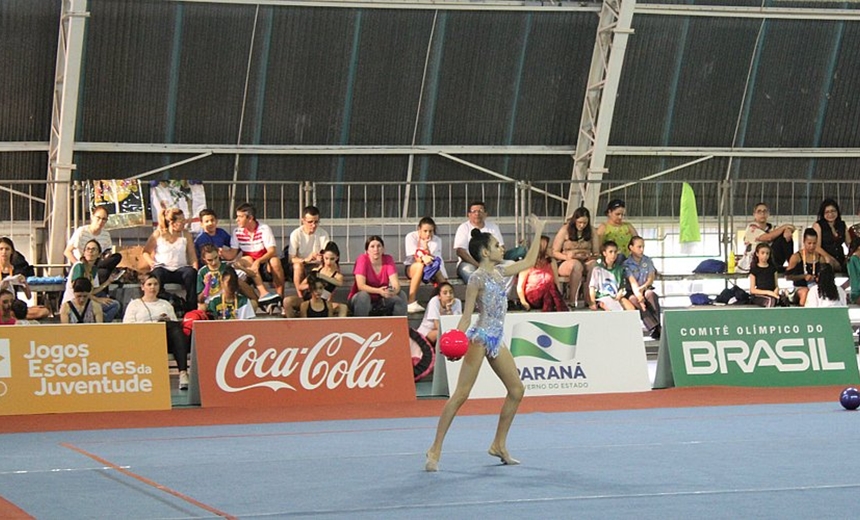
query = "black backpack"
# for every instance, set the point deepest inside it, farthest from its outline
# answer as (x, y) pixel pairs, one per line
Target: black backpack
(740, 296)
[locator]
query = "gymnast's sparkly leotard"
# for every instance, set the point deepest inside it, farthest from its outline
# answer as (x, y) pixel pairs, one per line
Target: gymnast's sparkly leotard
(493, 304)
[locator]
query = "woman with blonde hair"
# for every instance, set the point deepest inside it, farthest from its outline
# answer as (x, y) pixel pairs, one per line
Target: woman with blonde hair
(170, 253)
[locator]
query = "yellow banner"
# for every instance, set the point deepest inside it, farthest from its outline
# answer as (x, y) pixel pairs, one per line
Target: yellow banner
(83, 368)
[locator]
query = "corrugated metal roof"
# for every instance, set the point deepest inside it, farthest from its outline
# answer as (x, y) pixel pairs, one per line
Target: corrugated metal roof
(173, 72)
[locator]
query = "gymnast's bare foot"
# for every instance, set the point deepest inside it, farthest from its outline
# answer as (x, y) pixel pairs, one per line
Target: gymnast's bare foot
(503, 455)
(432, 463)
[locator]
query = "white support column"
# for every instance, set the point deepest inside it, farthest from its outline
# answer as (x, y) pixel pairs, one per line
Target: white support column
(67, 78)
(593, 138)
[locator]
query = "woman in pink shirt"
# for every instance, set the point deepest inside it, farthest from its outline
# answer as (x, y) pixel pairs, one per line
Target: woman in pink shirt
(376, 290)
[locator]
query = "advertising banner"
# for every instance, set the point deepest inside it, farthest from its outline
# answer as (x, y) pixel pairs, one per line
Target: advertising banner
(759, 347)
(189, 196)
(562, 353)
(303, 361)
(123, 200)
(83, 368)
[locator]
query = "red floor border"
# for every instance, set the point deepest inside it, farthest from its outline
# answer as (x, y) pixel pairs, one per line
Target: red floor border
(668, 398)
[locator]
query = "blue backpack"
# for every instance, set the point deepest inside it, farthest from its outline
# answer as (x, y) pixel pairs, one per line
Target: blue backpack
(710, 266)
(700, 299)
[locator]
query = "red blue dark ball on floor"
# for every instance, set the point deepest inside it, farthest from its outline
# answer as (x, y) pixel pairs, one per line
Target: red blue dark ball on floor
(850, 398)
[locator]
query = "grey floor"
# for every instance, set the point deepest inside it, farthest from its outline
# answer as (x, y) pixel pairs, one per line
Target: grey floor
(774, 461)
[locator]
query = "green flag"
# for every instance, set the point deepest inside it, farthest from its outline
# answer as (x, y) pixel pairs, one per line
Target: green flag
(689, 216)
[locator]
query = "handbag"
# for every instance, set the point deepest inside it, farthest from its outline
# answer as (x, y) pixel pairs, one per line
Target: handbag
(431, 269)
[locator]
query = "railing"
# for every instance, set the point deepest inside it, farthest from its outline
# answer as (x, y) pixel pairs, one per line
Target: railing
(352, 211)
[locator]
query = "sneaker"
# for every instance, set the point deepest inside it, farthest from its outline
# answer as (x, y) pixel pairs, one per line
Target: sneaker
(267, 298)
(414, 307)
(183, 380)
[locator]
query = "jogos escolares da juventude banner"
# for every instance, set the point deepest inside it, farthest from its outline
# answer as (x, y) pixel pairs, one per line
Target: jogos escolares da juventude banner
(303, 362)
(761, 347)
(83, 368)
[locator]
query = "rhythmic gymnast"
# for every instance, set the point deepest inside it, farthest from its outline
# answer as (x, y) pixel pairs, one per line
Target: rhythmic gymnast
(487, 285)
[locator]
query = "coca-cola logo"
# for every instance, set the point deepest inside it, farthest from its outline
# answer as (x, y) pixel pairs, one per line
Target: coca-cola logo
(328, 364)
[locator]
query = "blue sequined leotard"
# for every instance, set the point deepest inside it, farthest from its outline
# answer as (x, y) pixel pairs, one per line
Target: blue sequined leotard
(492, 306)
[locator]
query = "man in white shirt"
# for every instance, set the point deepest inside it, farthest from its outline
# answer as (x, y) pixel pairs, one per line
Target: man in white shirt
(306, 244)
(256, 242)
(95, 230)
(477, 219)
(467, 265)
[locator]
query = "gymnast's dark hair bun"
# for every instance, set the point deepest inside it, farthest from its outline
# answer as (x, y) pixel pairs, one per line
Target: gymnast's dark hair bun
(476, 233)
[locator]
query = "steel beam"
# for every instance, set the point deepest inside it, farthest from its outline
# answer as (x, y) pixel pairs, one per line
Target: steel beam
(598, 108)
(61, 149)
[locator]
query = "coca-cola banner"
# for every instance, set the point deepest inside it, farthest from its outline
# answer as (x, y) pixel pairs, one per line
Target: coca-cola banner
(303, 361)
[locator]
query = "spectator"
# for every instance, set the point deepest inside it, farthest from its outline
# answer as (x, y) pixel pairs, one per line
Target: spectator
(376, 289)
(763, 278)
(804, 266)
(477, 220)
(14, 271)
(779, 238)
(306, 245)
(575, 247)
(606, 284)
(831, 231)
(86, 268)
(6, 315)
(443, 303)
(256, 244)
(151, 309)
(81, 308)
(316, 306)
(826, 293)
(537, 286)
(212, 235)
(170, 253)
(640, 273)
(615, 228)
(209, 280)
(853, 267)
(229, 303)
(329, 273)
(19, 310)
(74, 251)
(423, 260)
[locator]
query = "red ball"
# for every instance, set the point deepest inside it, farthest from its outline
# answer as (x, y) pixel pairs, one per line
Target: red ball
(454, 343)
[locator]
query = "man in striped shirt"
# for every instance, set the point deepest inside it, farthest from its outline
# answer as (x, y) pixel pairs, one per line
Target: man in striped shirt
(256, 242)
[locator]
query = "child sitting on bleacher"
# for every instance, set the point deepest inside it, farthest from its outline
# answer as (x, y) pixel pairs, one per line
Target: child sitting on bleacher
(423, 260)
(229, 303)
(640, 273)
(606, 285)
(804, 266)
(329, 273)
(763, 278)
(537, 286)
(81, 308)
(316, 306)
(443, 303)
(6, 299)
(826, 293)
